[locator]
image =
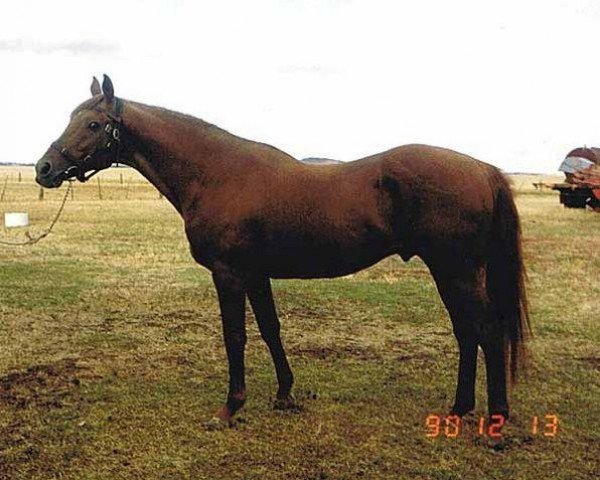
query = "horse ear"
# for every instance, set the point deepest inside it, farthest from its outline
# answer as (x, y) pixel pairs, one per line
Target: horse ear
(95, 87)
(108, 89)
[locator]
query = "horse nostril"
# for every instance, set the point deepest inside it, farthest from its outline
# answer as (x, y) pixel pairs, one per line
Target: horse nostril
(45, 168)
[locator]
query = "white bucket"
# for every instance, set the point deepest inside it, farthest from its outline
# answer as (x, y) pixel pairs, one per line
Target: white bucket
(16, 219)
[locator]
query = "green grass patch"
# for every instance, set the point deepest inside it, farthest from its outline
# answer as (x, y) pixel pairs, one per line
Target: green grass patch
(112, 358)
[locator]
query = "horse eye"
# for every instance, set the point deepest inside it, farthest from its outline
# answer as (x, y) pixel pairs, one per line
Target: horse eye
(94, 126)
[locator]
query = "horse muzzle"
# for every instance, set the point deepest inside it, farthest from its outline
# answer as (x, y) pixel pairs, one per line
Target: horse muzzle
(50, 171)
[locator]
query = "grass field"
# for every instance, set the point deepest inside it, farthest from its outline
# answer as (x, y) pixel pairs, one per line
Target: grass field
(111, 356)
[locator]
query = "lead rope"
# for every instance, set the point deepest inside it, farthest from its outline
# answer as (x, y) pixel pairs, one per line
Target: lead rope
(31, 240)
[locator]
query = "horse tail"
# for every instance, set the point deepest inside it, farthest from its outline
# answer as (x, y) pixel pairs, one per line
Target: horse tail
(506, 276)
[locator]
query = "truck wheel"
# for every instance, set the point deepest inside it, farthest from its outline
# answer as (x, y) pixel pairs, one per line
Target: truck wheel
(594, 203)
(573, 200)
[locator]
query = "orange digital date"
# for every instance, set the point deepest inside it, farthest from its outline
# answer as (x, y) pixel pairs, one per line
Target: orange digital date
(450, 426)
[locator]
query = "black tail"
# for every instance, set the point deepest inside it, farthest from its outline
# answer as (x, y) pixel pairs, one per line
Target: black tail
(506, 275)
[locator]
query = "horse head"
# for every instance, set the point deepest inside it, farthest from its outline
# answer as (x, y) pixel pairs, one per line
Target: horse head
(89, 144)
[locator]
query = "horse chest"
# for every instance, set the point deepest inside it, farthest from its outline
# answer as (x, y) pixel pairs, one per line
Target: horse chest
(208, 247)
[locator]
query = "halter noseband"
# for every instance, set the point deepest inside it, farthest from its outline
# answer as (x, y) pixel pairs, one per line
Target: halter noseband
(113, 144)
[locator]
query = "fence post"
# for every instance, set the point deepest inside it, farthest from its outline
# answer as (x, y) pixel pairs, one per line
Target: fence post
(4, 189)
(19, 177)
(41, 194)
(99, 189)
(121, 177)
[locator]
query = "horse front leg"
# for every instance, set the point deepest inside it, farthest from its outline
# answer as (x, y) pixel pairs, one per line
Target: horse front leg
(261, 299)
(232, 304)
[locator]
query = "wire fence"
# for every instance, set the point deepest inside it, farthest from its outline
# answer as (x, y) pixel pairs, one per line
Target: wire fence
(17, 185)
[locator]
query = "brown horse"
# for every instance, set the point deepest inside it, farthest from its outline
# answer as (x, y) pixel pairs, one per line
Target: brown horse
(253, 213)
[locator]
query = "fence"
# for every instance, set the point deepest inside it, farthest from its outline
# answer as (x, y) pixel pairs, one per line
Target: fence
(17, 184)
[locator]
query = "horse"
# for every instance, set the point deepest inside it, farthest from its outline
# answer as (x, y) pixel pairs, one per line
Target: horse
(253, 213)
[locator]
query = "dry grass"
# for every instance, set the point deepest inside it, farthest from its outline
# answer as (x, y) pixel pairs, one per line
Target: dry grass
(112, 357)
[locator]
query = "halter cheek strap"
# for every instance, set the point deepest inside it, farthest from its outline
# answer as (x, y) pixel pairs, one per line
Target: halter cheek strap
(112, 129)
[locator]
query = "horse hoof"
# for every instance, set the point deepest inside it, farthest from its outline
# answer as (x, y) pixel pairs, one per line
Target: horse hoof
(216, 423)
(498, 413)
(287, 403)
(461, 411)
(498, 444)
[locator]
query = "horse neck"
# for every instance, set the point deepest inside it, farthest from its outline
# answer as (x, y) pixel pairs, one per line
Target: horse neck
(177, 154)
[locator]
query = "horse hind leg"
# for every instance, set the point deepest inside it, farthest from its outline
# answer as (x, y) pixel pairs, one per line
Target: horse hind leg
(493, 346)
(453, 291)
(467, 367)
(463, 291)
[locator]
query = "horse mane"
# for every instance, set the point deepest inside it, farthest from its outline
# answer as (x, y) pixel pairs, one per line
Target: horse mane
(187, 120)
(207, 127)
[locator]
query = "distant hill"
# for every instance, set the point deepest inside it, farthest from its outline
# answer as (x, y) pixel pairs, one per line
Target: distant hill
(320, 161)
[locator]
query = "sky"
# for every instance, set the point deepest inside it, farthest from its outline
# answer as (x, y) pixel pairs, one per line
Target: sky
(513, 83)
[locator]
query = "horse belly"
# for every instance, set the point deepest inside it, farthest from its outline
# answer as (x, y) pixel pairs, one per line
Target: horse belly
(323, 261)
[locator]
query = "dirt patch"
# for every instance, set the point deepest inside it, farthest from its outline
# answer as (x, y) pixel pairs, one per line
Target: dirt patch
(430, 348)
(593, 361)
(44, 385)
(419, 356)
(177, 360)
(328, 352)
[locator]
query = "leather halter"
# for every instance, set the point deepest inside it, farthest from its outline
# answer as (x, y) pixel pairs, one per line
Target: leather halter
(112, 129)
